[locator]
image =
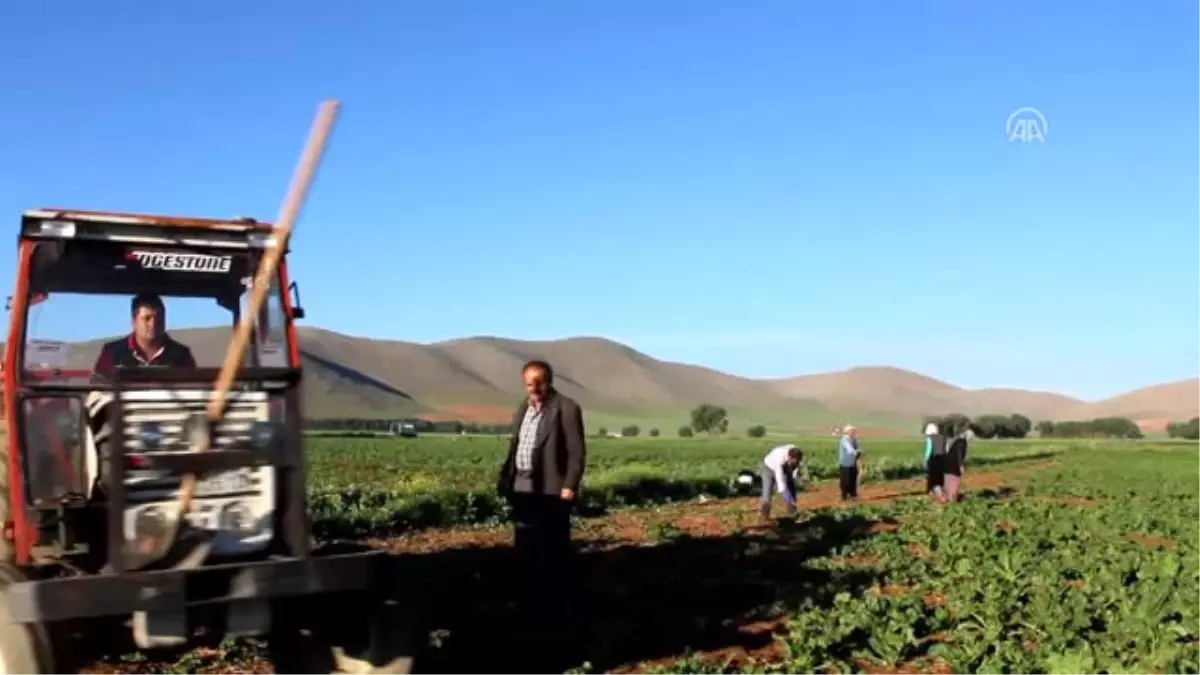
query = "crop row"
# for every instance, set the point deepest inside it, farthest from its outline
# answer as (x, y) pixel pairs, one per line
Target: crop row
(1091, 566)
(375, 487)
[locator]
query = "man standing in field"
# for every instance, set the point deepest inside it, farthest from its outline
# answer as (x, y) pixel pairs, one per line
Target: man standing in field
(848, 462)
(541, 478)
(778, 475)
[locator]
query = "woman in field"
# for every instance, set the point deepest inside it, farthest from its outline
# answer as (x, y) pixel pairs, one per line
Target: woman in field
(956, 458)
(935, 462)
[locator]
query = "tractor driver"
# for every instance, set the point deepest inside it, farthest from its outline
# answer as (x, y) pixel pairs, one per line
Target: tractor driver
(147, 343)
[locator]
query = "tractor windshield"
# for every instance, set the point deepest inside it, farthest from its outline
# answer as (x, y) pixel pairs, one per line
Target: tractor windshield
(94, 306)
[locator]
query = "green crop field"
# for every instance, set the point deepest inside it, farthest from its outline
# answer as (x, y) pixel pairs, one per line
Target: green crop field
(380, 486)
(1091, 566)
(1063, 557)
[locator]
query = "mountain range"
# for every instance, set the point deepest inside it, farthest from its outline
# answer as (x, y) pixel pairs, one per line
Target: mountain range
(477, 379)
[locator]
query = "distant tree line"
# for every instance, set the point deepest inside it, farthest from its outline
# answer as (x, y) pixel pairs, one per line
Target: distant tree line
(347, 424)
(1019, 426)
(1189, 429)
(630, 431)
(385, 425)
(984, 426)
(705, 419)
(714, 420)
(1101, 427)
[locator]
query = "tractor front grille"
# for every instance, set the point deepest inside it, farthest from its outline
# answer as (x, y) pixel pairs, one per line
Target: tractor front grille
(238, 504)
(168, 409)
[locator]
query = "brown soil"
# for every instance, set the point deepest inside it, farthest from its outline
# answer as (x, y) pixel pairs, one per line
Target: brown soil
(917, 550)
(1150, 540)
(883, 526)
(750, 640)
(932, 600)
(716, 517)
(734, 658)
(890, 590)
(721, 531)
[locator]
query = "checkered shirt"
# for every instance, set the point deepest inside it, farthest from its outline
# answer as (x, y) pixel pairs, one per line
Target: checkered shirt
(527, 439)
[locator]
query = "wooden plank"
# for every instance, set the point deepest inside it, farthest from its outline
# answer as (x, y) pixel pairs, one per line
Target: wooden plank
(288, 213)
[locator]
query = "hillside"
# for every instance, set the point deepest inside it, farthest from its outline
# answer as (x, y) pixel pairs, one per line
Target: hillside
(477, 379)
(900, 392)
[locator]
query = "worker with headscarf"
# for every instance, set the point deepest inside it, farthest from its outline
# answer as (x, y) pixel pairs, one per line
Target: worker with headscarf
(955, 463)
(935, 462)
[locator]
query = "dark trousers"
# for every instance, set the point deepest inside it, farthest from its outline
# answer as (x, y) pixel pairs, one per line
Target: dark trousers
(542, 527)
(952, 464)
(935, 472)
(848, 479)
(769, 488)
(542, 537)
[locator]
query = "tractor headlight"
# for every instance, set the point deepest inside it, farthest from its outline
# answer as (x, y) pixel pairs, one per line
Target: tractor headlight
(264, 434)
(64, 229)
(236, 517)
(149, 434)
(151, 514)
(262, 240)
(149, 526)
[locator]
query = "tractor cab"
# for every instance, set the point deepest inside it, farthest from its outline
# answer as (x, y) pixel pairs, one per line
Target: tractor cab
(81, 276)
(100, 434)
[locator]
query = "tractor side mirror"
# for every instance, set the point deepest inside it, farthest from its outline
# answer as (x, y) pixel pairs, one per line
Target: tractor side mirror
(54, 448)
(297, 309)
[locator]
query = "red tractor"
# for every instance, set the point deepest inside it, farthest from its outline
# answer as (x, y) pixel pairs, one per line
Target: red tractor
(95, 462)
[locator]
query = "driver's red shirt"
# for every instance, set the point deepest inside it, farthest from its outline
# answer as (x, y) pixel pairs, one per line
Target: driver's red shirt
(125, 353)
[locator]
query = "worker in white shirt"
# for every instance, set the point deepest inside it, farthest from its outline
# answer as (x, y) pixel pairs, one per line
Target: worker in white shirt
(777, 476)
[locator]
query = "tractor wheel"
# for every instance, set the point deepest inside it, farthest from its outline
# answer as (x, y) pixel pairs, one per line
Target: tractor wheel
(24, 648)
(375, 641)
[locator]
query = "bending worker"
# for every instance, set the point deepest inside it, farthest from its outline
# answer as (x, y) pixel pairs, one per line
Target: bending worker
(777, 476)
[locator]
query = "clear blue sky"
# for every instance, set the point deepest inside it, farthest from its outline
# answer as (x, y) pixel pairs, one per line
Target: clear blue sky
(770, 188)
